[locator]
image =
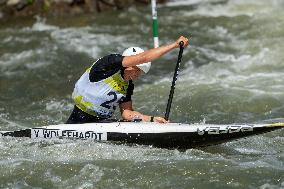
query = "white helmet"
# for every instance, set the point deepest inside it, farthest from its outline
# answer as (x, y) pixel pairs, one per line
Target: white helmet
(145, 67)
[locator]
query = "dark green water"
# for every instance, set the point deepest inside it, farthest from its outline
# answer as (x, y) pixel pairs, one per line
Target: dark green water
(233, 72)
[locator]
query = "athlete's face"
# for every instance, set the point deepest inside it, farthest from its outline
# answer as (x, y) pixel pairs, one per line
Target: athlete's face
(132, 73)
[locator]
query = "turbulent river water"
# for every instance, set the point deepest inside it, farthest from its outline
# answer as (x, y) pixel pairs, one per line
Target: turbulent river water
(233, 72)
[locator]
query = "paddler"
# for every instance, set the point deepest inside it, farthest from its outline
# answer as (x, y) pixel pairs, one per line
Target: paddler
(108, 84)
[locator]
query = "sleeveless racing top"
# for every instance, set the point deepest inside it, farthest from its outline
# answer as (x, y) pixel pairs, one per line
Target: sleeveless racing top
(101, 88)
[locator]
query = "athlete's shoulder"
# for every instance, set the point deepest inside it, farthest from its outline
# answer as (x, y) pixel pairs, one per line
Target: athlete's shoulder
(109, 59)
(113, 55)
(105, 67)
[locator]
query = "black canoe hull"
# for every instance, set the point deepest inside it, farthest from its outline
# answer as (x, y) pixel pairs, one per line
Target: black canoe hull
(181, 136)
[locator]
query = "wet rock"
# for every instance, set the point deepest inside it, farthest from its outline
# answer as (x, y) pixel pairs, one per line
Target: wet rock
(2, 2)
(64, 1)
(13, 2)
(64, 7)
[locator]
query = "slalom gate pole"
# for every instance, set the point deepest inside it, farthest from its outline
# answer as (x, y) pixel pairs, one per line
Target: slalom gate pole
(155, 23)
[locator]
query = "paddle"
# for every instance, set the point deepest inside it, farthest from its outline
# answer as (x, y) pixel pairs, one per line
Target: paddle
(174, 81)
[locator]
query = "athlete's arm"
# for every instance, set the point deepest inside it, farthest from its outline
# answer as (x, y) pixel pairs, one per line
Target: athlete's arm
(127, 113)
(152, 54)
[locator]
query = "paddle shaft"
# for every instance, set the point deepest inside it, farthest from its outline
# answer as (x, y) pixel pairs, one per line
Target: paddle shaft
(167, 114)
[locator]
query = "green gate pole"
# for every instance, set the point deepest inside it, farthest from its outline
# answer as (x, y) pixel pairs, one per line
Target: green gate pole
(155, 23)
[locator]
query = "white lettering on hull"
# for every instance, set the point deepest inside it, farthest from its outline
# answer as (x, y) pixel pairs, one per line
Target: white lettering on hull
(223, 130)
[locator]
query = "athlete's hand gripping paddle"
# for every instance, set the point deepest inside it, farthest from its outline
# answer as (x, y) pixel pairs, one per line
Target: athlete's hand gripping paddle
(174, 80)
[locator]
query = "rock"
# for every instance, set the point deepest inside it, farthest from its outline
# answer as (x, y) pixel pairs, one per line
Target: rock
(64, 7)
(64, 1)
(13, 2)
(2, 2)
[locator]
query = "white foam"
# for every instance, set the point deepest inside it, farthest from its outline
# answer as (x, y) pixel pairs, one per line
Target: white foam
(262, 163)
(55, 105)
(81, 39)
(248, 151)
(10, 59)
(13, 39)
(231, 8)
(15, 63)
(174, 3)
(49, 175)
(12, 125)
(40, 25)
(272, 186)
(84, 40)
(87, 177)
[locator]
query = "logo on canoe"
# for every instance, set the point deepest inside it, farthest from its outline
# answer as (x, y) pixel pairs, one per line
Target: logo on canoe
(57, 133)
(212, 130)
